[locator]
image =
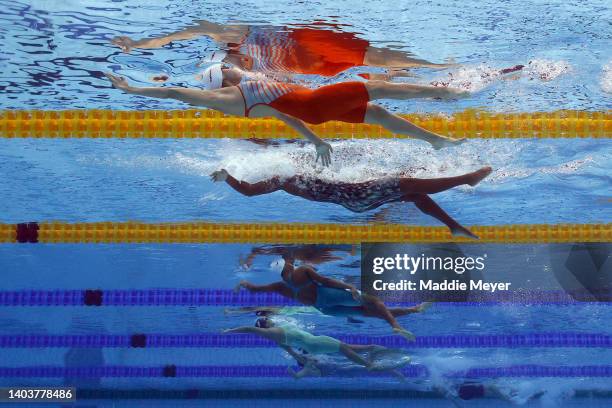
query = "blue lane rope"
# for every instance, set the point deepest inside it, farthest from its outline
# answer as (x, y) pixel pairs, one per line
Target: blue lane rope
(227, 297)
(415, 370)
(202, 340)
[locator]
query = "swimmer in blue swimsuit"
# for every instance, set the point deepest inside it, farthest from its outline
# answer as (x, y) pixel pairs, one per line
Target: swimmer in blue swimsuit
(331, 296)
(360, 197)
(290, 337)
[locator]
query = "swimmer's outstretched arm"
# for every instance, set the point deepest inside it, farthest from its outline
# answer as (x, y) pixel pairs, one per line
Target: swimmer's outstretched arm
(218, 32)
(197, 97)
(275, 334)
(247, 189)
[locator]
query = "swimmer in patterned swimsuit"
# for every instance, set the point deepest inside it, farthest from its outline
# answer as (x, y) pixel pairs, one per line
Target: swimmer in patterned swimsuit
(296, 105)
(364, 196)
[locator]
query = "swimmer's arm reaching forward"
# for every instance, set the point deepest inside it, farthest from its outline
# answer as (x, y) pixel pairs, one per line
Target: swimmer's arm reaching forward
(227, 100)
(245, 188)
(219, 33)
(324, 149)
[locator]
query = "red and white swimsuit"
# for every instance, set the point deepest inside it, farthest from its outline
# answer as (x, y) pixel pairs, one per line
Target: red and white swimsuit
(321, 51)
(345, 101)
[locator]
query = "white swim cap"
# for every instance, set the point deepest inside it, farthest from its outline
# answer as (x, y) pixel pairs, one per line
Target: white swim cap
(212, 76)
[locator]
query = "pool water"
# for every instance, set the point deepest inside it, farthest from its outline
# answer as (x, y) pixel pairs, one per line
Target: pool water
(52, 56)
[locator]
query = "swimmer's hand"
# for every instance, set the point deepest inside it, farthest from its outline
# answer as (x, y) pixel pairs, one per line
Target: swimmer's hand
(219, 175)
(118, 82)
(405, 334)
(125, 43)
(309, 370)
(245, 263)
(324, 151)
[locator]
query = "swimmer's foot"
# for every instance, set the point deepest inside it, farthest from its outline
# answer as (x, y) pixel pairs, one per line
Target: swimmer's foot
(460, 231)
(423, 307)
(477, 176)
(443, 142)
(405, 334)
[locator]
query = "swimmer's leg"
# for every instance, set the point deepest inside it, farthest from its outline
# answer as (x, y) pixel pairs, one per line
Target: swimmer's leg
(428, 206)
(365, 347)
(403, 311)
(400, 90)
(381, 57)
(437, 185)
(375, 307)
(378, 115)
(352, 355)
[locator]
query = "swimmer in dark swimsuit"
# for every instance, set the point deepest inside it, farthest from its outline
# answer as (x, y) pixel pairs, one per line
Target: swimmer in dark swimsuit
(295, 105)
(360, 197)
(331, 296)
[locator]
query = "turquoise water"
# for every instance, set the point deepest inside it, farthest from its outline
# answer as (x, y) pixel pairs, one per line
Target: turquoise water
(52, 55)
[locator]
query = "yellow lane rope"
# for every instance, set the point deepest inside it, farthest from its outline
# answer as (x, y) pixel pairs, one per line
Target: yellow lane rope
(135, 232)
(211, 124)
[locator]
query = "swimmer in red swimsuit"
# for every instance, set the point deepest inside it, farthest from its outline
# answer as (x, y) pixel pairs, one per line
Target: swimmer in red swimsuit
(360, 197)
(346, 102)
(320, 48)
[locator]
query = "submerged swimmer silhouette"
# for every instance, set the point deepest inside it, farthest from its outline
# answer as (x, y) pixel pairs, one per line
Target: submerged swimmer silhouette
(319, 48)
(364, 196)
(331, 296)
(289, 337)
(313, 254)
(294, 104)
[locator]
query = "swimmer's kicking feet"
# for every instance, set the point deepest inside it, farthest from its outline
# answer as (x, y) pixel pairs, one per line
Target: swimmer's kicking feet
(296, 105)
(364, 196)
